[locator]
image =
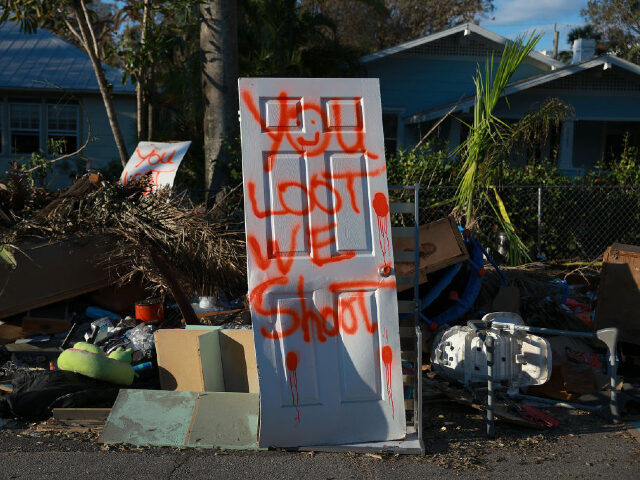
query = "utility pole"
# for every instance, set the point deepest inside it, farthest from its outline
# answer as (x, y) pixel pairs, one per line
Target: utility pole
(556, 35)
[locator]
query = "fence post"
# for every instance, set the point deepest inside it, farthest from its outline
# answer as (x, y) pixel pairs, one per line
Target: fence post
(539, 221)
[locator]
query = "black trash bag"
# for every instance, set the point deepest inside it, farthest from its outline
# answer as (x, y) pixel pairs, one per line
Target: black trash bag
(93, 398)
(36, 392)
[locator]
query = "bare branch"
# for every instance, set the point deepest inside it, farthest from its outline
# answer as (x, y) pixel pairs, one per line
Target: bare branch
(424, 137)
(73, 154)
(90, 27)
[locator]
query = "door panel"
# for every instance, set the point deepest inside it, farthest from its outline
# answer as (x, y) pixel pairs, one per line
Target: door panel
(321, 283)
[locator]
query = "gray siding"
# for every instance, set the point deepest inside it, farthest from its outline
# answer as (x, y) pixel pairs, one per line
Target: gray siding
(101, 149)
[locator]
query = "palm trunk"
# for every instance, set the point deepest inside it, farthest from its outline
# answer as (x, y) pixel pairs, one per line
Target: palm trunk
(88, 37)
(142, 87)
(219, 47)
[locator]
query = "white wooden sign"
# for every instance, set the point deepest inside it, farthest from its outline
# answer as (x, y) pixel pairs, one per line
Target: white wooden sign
(158, 160)
(321, 282)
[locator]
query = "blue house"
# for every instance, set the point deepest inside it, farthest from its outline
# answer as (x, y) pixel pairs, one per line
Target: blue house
(422, 80)
(48, 91)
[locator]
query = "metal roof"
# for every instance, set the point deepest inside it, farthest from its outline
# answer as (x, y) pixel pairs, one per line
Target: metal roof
(42, 61)
(604, 61)
(464, 29)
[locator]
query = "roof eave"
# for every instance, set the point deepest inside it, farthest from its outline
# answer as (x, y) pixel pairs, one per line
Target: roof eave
(526, 84)
(466, 27)
(86, 91)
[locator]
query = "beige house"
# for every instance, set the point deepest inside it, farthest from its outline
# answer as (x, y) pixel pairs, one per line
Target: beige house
(48, 91)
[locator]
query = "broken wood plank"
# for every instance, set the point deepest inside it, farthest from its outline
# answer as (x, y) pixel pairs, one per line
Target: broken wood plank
(31, 325)
(50, 272)
(81, 414)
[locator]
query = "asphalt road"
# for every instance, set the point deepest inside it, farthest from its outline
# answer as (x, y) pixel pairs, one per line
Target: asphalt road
(583, 447)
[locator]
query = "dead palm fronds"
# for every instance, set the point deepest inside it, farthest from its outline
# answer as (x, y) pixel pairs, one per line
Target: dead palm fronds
(204, 248)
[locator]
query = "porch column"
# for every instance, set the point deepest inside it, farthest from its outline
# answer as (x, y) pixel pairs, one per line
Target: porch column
(565, 155)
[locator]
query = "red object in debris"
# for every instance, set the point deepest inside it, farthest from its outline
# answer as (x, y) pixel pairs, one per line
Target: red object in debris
(433, 326)
(481, 272)
(453, 295)
(466, 233)
(52, 366)
(580, 310)
(538, 416)
(150, 310)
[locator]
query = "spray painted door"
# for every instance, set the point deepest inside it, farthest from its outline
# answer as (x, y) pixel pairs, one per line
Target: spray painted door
(320, 266)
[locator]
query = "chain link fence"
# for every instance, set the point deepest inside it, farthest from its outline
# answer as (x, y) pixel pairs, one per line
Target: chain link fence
(555, 222)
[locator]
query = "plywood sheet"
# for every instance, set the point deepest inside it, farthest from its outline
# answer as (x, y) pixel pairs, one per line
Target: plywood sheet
(50, 272)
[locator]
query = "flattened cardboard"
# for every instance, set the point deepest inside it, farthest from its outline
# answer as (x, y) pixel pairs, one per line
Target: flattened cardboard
(225, 420)
(150, 417)
(441, 245)
(184, 419)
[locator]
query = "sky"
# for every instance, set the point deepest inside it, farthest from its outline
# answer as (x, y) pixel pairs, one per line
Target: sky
(514, 17)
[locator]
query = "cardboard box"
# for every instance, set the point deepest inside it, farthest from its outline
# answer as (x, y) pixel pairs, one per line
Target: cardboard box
(441, 245)
(619, 296)
(207, 360)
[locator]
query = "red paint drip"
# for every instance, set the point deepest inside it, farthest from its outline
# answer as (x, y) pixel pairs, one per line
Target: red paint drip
(381, 207)
(387, 358)
(292, 366)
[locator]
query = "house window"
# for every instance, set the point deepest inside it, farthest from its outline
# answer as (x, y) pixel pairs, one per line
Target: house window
(24, 122)
(62, 126)
(390, 129)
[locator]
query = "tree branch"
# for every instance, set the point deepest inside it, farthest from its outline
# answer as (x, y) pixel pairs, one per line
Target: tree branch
(73, 154)
(94, 43)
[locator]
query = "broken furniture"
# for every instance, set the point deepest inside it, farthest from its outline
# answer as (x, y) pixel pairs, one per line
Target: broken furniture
(608, 336)
(521, 359)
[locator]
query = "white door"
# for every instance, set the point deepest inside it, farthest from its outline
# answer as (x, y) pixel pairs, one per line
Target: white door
(321, 281)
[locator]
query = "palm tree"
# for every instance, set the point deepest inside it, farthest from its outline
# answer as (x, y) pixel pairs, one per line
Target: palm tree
(491, 141)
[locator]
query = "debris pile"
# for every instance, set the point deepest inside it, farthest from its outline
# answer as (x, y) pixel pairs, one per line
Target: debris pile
(205, 248)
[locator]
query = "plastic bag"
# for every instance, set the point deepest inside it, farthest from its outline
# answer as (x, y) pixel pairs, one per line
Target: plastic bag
(141, 340)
